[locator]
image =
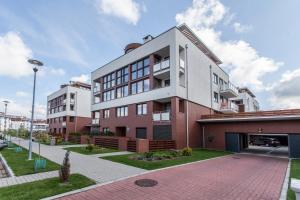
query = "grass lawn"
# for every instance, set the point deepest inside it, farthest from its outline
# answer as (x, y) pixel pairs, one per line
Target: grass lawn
(295, 173)
(198, 154)
(96, 150)
(43, 188)
(20, 165)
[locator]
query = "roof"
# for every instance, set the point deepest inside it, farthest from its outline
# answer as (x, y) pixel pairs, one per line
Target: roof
(194, 39)
(246, 90)
(288, 114)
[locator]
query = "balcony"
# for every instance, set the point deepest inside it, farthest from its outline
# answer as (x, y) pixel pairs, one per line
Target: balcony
(162, 116)
(95, 121)
(229, 108)
(228, 90)
(96, 90)
(161, 66)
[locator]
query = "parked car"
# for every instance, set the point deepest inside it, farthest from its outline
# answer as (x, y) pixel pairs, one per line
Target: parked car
(273, 142)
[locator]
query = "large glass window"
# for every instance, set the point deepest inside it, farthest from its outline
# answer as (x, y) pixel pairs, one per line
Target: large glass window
(122, 76)
(141, 109)
(122, 111)
(109, 81)
(109, 95)
(140, 69)
(140, 86)
(122, 91)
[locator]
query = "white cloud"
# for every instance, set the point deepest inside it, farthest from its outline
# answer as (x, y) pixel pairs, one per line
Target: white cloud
(84, 78)
(129, 10)
(24, 109)
(285, 93)
(21, 94)
(13, 56)
(246, 67)
(240, 28)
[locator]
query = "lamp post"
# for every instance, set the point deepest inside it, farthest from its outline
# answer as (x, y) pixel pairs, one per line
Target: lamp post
(5, 120)
(36, 64)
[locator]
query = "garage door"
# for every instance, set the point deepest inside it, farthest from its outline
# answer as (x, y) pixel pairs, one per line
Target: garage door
(294, 147)
(232, 141)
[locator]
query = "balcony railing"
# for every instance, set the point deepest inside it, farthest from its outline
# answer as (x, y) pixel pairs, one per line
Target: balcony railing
(229, 86)
(95, 121)
(229, 107)
(96, 89)
(161, 65)
(162, 116)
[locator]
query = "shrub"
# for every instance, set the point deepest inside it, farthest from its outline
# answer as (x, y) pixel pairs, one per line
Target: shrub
(64, 172)
(187, 151)
(90, 147)
(175, 153)
(148, 154)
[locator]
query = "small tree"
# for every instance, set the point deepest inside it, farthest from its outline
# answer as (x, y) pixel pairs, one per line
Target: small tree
(64, 172)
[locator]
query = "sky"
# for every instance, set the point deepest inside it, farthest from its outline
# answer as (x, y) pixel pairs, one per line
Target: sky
(258, 42)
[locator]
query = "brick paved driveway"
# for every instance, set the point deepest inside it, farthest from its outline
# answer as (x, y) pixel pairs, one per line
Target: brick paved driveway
(232, 177)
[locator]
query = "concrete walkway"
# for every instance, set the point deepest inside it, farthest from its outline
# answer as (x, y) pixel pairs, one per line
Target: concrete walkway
(93, 167)
(233, 177)
(27, 178)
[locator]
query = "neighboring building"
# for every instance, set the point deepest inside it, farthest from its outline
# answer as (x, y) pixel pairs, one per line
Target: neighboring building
(246, 101)
(69, 109)
(155, 88)
(39, 126)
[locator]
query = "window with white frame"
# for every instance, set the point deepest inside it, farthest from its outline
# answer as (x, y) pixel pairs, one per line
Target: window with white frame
(141, 109)
(106, 113)
(122, 111)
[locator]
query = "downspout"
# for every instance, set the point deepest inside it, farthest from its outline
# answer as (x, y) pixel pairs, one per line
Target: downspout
(187, 98)
(210, 81)
(203, 137)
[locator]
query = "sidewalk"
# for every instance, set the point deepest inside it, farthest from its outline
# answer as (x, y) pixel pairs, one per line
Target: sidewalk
(27, 178)
(92, 167)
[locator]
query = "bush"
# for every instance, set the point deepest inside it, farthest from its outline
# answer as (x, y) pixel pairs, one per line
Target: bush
(187, 151)
(148, 154)
(90, 147)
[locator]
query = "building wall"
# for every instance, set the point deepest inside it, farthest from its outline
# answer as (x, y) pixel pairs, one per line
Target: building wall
(218, 130)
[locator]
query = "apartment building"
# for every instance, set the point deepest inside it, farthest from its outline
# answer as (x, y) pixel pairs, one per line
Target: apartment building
(159, 89)
(246, 100)
(69, 109)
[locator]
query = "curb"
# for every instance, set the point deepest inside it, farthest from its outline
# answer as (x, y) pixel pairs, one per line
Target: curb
(285, 185)
(6, 166)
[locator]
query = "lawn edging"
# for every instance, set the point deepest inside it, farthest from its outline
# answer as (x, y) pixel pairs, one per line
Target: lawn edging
(127, 177)
(9, 171)
(285, 185)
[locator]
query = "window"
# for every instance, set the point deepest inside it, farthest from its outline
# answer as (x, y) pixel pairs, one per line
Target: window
(141, 133)
(140, 86)
(72, 107)
(221, 81)
(141, 109)
(97, 87)
(109, 81)
(122, 111)
(222, 99)
(109, 95)
(167, 82)
(122, 76)
(72, 95)
(122, 91)
(96, 99)
(106, 113)
(181, 105)
(215, 78)
(72, 119)
(216, 97)
(64, 118)
(140, 69)
(106, 130)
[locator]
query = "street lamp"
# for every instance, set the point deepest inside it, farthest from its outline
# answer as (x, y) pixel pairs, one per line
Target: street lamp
(5, 120)
(36, 64)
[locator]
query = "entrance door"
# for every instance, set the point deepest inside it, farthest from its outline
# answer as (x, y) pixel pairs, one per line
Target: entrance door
(232, 141)
(294, 147)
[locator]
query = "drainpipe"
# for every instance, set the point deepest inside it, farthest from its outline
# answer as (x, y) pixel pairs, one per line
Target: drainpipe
(187, 97)
(203, 137)
(210, 76)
